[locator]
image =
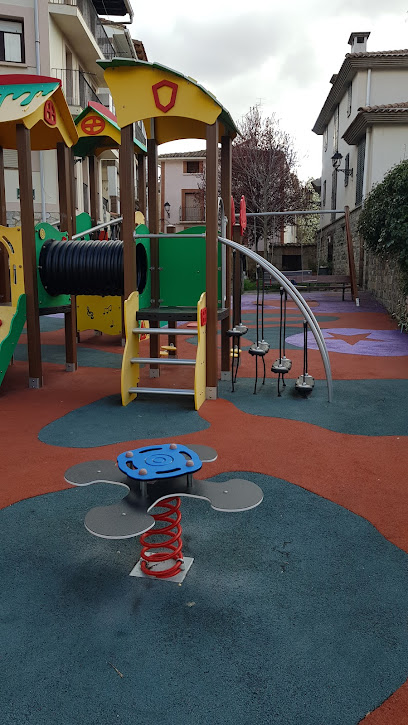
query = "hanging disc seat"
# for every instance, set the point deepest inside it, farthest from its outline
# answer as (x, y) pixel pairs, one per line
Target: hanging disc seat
(305, 382)
(282, 365)
(238, 329)
(261, 347)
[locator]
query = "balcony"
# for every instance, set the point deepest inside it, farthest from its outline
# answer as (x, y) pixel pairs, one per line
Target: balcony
(80, 24)
(139, 133)
(191, 213)
(77, 89)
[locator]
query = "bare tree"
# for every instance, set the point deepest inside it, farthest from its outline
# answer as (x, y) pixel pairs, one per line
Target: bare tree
(263, 170)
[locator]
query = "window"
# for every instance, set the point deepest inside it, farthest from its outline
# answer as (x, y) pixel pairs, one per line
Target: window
(291, 262)
(192, 167)
(192, 208)
(10, 159)
(330, 252)
(346, 169)
(360, 171)
(324, 194)
(11, 41)
(85, 197)
(334, 193)
(336, 130)
(325, 138)
(349, 98)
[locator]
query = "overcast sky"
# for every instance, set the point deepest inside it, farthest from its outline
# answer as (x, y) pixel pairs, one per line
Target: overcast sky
(281, 55)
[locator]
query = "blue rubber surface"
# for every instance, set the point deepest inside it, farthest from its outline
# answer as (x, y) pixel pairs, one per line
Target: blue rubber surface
(359, 407)
(87, 356)
(321, 640)
(106, 421)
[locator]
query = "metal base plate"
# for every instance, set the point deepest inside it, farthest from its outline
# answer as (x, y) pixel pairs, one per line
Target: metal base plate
(154, 373)
(35, 383)
(136, 571)
(225, 375)
(71, 367)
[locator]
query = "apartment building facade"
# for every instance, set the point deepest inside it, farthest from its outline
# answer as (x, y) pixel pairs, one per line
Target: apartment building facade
(182, 184)
(64, 39)
(364, 129)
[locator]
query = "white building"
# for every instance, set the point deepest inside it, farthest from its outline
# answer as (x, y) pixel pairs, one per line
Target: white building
(63, 39)
(182, 183)
(364, 119)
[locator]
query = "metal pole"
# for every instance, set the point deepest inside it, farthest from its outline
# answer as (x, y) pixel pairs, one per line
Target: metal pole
(296, 212)
(111, 223)
(38, 71)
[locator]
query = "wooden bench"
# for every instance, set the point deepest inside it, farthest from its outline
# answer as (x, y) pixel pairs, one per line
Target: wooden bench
(307, 281)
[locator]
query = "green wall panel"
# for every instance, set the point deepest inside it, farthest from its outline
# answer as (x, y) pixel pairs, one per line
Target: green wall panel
(182, 275)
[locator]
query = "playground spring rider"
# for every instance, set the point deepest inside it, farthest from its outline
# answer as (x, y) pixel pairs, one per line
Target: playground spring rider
(157, 476)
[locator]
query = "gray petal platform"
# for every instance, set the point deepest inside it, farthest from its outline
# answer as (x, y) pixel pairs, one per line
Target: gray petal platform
(130, 517)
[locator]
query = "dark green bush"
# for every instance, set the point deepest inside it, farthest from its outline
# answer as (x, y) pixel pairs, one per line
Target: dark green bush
(383, 222)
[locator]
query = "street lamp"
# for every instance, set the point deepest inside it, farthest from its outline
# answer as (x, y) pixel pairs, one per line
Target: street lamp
(167, 209)
(336, 161)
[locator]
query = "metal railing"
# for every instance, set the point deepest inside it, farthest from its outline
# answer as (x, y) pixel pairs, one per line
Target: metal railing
(191, 214)
(91, 18)
(138, 133)
(77, 89)
(113, 227)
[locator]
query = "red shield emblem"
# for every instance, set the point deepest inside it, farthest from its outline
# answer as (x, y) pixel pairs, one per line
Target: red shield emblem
(165, 84)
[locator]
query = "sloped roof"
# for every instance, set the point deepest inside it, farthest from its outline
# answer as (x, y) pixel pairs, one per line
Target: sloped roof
(389, 113)
(94, 137)
(352, 63)
(184, 155)
(39, 104)
(140, 49)
(401, 106)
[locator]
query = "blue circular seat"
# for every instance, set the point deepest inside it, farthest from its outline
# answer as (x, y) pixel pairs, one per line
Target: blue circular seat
(159, 462)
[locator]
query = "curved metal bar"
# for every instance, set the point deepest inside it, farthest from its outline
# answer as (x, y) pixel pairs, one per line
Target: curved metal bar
(297, 299)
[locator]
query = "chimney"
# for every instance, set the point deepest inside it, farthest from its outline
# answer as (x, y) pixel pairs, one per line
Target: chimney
(358, 42)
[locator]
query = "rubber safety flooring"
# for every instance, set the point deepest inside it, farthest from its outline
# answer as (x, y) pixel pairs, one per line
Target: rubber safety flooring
(293, 613)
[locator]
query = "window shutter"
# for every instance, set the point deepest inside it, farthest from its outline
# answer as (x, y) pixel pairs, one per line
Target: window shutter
(10, 159)
(346, 169)
(360, 171)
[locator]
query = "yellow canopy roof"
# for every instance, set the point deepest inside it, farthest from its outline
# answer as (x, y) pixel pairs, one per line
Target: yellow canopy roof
(180, 106)
(98, 131)
(39, 103)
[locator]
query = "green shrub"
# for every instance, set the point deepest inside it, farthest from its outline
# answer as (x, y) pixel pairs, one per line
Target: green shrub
(383, 222)
(249, 285)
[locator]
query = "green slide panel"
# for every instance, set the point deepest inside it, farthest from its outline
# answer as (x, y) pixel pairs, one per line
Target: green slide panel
(182, 275)
(146, 293)
(12, 331)
(44, 231)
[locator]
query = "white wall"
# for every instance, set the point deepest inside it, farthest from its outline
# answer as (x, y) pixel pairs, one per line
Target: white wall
(24, 10)
(388, 86)
(345, 194)
(174, 181)
(389, 147)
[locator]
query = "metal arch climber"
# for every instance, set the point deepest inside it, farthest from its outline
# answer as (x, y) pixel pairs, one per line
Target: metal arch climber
(297, 298)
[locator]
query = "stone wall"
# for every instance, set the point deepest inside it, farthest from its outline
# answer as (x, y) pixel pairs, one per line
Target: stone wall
(384, 279)
(13, 218)
(379, 276)
(332, 246)
(306, 251)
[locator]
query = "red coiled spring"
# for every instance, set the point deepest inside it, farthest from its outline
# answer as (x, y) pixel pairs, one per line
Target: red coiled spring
(172, 544)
